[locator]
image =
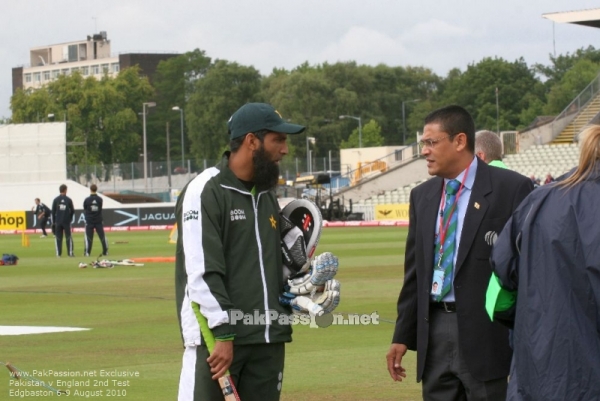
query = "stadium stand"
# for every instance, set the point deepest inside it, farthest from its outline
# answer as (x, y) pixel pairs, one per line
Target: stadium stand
(540, 160)
(398, 195)
(585, 114)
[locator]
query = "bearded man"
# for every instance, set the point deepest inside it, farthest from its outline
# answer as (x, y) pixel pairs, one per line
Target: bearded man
(229, 263)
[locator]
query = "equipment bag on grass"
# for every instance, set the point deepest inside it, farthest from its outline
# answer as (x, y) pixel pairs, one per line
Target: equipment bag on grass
(9, 259)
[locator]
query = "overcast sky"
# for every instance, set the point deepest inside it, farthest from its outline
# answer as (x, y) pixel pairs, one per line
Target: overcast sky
(440, 34)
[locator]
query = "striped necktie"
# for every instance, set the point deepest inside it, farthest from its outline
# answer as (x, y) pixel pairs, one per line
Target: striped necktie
(447, 258)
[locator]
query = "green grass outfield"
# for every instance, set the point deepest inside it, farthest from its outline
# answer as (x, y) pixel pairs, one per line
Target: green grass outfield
(131, 312)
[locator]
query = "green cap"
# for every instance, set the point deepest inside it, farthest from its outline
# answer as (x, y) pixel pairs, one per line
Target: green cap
(253, 117)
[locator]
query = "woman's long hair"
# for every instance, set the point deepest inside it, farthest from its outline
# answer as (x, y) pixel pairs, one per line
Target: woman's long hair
(589, 158)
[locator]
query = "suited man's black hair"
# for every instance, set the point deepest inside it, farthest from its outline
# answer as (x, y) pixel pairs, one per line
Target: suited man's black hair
(453, 120)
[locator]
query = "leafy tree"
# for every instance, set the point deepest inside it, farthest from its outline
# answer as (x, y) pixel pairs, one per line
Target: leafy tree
(475, 89)
(100, 113)
(571, 84)
(304, 96)
(29, 106)
(561, 64)
(176, 76)
(391, 87)
(416, 120)
(317, 96)
(225, 87)
(117, 129)
(174, 82)
(106, 113)
(371, 136)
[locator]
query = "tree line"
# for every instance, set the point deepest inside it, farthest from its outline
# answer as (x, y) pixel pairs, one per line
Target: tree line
(106, 114)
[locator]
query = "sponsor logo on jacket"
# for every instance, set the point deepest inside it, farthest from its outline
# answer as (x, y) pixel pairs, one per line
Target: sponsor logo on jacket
(237, 214)
(190, 215)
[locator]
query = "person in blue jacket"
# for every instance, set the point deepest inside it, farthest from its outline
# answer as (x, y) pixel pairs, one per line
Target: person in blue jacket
(548, 253)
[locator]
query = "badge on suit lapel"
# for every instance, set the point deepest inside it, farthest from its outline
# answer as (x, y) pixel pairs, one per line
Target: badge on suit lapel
(491, 237)
(477, 205)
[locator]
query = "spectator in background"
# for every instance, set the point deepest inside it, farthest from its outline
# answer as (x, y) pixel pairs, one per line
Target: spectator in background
(549, 179)
(535, 181)
(62, 215)
(488, 147)
(43, 214)
(92, 208)
(548, 252)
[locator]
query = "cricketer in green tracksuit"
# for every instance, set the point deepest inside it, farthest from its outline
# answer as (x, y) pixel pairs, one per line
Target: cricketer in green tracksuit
(229, 266)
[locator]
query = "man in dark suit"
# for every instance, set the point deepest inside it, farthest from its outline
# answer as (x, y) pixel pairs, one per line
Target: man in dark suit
(454, 219)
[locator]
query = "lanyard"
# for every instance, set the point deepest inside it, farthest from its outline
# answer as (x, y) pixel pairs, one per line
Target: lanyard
(443, 230)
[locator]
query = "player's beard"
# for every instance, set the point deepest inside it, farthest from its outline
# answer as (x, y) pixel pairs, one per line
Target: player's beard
(266, 171)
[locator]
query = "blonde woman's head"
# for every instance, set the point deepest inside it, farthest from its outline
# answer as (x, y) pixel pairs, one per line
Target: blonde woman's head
(589, 158)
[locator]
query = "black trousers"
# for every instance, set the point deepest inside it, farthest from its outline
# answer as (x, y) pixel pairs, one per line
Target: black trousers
(43, 224)
(256, 371)
(446, 376)
(89, 237)
(59, 231)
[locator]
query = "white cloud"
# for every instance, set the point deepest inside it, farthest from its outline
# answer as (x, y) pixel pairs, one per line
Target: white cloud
(284, 34)
(366, 46)
(432, 31)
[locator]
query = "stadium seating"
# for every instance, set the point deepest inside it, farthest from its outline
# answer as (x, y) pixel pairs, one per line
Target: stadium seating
(539, 160)
(398, 195)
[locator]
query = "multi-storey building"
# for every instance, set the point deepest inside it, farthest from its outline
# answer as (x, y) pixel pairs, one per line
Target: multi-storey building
(91, 57)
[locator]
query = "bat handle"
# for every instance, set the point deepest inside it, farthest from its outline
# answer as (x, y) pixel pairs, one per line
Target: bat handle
(228, 389)
(13, 372)
(225, 382)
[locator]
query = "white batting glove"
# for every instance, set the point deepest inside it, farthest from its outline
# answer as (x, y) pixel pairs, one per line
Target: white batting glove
(329, 299)
(323, 268)
(324, 301)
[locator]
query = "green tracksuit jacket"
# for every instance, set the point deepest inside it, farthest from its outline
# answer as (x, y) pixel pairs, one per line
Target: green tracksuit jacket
(229, 260)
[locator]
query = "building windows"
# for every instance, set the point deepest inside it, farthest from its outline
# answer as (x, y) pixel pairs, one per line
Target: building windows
(96, 70)
(72, 53)
(64, 71)
(27, 77)
(37, 77)
(105, 68)
(46, 75)
(115, 67)
(55, 74)
(74, 69)
(85, 71)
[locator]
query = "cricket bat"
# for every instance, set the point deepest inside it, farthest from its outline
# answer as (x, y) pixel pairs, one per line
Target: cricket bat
(225, 382)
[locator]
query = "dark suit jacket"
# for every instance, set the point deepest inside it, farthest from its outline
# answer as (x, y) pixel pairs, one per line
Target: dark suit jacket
(484, 345)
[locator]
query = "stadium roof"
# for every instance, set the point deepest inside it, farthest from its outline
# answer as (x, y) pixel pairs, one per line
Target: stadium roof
(589, 17)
